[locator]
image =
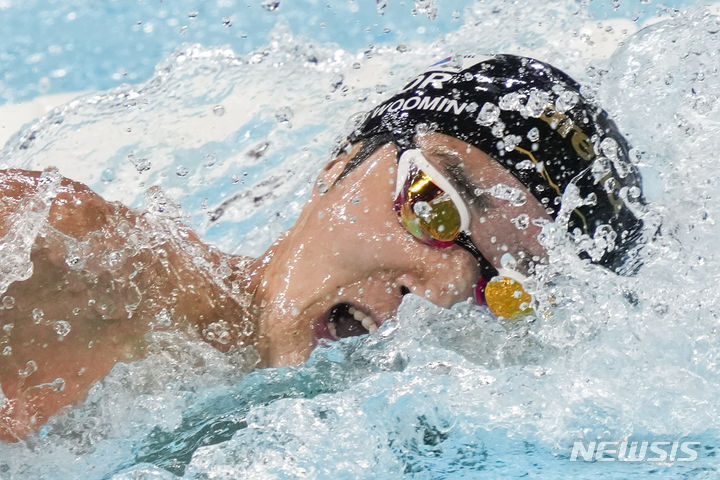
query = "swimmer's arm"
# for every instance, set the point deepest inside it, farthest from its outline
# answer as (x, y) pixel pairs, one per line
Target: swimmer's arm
(94, 300)
(44, 371)
(75, 211)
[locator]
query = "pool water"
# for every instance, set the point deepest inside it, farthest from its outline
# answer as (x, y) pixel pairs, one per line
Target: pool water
(232, 126)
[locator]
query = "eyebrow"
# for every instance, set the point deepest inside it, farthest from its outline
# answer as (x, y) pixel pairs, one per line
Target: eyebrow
(452, 165)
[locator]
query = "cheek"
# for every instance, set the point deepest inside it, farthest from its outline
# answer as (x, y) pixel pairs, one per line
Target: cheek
(509, 231)
(362, 211)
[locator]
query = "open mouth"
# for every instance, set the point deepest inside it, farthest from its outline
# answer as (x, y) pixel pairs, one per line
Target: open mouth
(346, 320)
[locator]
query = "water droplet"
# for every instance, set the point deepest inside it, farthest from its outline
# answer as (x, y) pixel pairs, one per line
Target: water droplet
(218, 331)
(163, 319)
(8, 302)
(75, 262)
(635, 155)
(525, 165)
(510, 101)
(336, 81)
(58, 385)
(489, 113)
(227, 22)
(322, 187)
(508, 261)
(271, 5)
(422, 210)
(193, 14)
(62, 328)
(536, 103)
(498, 129)
(610, 185)
(511, 141)
(259, 150)
(534, 134)
(425, 7)
(381, 5)
(609, 148)
(284, 115)
(566, 101)
(30, 368)
(181, 171)
(108, 175)
(219, 110)
(515, 196)
(7, 350)
(141, 164)
(425, 128)
(604, 237)
(37, 315)
(521, 222)
(599, 168)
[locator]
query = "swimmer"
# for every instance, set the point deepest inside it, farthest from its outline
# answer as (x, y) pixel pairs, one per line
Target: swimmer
(441, 191)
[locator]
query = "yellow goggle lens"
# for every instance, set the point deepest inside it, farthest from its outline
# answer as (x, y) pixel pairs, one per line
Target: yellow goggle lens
(507, 298)
(429, 212)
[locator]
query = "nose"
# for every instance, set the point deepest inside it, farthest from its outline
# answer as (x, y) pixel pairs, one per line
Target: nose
(444, 277)
(409, 283)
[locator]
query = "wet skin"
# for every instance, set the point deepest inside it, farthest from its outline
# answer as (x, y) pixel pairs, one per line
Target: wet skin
(347, 248)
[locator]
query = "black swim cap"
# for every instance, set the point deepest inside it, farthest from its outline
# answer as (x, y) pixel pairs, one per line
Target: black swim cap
(531, 118)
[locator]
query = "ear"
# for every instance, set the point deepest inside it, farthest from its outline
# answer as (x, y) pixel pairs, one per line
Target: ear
(337, 163)
(332, 170)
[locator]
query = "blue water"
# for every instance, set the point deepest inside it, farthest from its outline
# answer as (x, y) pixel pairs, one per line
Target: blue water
(439, 393)
(52, 46)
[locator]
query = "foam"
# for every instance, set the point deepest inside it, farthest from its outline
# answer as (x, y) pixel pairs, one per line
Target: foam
(439, 393)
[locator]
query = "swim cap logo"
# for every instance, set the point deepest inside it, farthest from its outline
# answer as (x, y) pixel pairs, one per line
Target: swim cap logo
(436, 104)
(433, 79)
(563, 124)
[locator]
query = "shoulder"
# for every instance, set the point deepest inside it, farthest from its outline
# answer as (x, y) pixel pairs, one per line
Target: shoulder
(73, 208)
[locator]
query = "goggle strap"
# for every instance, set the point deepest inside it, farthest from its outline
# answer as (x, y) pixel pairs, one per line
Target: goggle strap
(487, 271)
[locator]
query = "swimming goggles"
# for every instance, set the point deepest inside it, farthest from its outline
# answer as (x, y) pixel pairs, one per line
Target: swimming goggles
(433, 211)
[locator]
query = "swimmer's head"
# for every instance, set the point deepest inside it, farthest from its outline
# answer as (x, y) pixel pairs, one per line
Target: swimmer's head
(466, 157)
(532, 119)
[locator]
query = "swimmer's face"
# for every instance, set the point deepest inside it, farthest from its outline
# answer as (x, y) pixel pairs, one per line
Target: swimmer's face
(344, 267)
